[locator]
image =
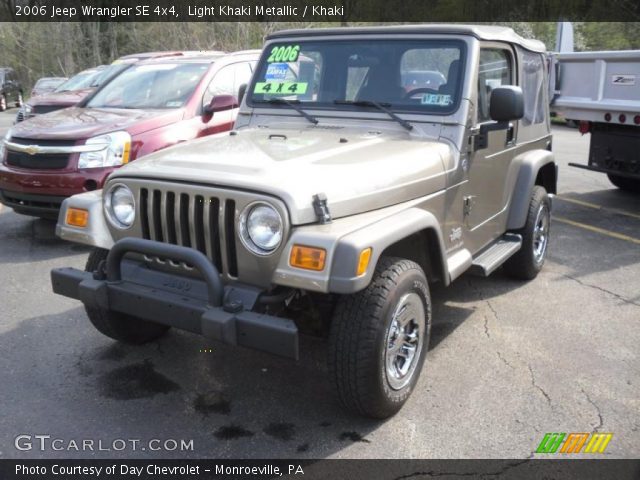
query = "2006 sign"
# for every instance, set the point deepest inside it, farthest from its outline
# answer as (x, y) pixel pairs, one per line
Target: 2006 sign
(35, 10)
(284, 54)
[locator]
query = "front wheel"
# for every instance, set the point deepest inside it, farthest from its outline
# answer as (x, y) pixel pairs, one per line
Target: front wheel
(623, 183)
(119, 326)
(379, 338)
(19, 100)
(3, 103)
(528, 261)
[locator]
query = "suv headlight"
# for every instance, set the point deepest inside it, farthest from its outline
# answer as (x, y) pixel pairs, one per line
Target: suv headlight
(120, 205)
(27, 109)
(115, 151)
(261, 228)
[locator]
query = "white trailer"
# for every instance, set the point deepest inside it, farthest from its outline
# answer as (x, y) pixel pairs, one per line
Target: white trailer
(601, 90)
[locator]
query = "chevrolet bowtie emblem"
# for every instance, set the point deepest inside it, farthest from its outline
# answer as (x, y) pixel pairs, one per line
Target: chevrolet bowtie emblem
(32, 149)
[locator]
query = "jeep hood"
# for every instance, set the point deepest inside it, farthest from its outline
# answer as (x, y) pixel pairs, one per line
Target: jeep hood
(81, 123)
(356, 169)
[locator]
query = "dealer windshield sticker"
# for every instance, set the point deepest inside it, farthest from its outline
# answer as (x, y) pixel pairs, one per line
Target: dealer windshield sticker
(436, 99)
(276, 71)
(283, 53)
(281, 88)
(626, 80)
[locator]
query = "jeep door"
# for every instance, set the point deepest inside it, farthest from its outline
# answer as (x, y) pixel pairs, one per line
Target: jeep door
(486, 199)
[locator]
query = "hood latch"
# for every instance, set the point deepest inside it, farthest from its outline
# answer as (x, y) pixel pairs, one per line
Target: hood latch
(321, 208)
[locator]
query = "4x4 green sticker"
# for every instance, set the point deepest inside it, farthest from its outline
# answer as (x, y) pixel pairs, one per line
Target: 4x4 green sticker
(281, 88)
(284, 54)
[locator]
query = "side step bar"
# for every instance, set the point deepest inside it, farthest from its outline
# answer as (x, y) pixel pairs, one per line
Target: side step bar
(496, 254)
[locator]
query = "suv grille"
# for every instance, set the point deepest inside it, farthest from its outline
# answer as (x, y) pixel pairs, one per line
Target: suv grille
(43, 142)
(197, 221)
(38, 161)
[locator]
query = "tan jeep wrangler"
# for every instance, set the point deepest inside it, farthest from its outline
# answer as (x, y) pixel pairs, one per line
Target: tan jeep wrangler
(366, 164)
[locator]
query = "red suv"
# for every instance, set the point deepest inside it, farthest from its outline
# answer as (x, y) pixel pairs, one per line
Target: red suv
(151, 105)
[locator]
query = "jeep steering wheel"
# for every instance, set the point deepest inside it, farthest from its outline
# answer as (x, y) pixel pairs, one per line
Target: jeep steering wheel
(416, 91)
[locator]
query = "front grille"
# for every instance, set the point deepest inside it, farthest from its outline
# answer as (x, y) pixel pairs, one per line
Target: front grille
(20, 116)
(41, 109)
(38, 161)
(202, 222)
(43, 142)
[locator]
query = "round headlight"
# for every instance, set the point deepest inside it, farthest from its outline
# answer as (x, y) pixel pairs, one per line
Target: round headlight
(121, 205)
(261, 228)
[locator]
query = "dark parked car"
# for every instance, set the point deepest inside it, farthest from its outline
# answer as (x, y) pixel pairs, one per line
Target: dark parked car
(46, 85)
(151, 105)
(10, 89)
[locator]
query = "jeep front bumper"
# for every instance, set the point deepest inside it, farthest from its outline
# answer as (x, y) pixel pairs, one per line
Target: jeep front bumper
(200, 306)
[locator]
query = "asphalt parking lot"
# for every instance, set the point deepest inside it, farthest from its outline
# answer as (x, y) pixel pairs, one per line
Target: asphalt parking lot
(508, 362)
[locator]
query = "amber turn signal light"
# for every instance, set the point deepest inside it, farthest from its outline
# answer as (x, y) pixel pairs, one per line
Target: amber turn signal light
(309, 258)
(77, 217)
(363, 262)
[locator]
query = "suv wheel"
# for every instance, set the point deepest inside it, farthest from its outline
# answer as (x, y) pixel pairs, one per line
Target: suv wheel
(623, 183)
(528, 261)
(19, 100)
(379, 338)
(119, 326)
(3, 103)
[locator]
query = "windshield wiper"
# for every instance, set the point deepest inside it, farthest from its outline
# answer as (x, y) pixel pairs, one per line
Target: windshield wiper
(380, 106)
(292, 104)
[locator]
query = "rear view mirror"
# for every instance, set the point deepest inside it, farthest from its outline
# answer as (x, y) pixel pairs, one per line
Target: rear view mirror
(220, 103)
(506, 103)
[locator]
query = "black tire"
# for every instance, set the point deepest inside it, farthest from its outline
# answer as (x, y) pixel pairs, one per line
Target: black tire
(529, 260)
(19, 100)
(623, 183)
(3, 103)
(119, 326)
(360, 333)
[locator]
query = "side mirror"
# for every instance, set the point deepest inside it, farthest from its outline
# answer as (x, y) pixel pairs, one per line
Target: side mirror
(241, 92)
(506, 104)
(220, 103)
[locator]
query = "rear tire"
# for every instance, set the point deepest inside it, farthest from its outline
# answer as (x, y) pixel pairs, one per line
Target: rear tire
(120, 326)
(3, 103)
(623, 183)
(379, 339)
(19, 100)
(529, 260)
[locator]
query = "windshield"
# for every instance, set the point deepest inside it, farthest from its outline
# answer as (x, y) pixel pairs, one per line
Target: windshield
(404, 75)
(151, 86)
(107, 73)
(49, 82)
(79, 81)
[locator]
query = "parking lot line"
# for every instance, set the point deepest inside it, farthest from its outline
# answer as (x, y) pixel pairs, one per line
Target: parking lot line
(598, 207)
(602, 231)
